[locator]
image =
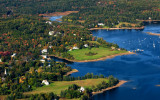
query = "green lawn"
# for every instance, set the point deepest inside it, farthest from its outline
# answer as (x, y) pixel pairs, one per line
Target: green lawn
(101, 52)
(58, 86)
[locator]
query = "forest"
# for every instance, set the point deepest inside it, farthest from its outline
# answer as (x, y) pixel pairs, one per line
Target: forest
(91, 12)
(24, 66)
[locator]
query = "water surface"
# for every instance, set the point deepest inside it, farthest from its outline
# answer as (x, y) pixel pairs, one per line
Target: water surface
(141, 70)
(55, 18)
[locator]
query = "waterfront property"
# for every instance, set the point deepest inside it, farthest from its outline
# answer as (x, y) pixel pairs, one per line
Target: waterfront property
(80, 55)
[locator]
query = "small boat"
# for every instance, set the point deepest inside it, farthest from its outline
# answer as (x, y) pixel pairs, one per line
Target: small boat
(154, 45)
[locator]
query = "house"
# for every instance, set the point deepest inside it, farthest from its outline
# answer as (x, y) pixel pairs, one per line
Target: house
(42, 60)
(70, 49)
(5, 72)
(14, 54)
(59, 33)
(75, 47)
(119, 49)
(81, 89)
(86, 45)
(101, 24)
(50, 46)
(45, 82)
(49, 22)
(44, 56)
(113, 48)
(44, 51)
(51, 32)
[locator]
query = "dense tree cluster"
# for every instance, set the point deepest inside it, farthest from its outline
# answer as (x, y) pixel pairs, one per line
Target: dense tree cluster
(42, 96)
(24, 76)
(103, 85)
(112, 12)
(87, 76)
(74, 91)
(91, 12)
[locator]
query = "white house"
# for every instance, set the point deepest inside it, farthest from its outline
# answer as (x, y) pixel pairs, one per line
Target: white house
(101, 24)
(51, 32)
(50, 46)
(113, 47)
(75, 47)
(70, 49)
(5, 72)
(59, 33)
(44, 51)
(81, 89)
(14, 54)
(86, 45)
(45, 82)
(49, 22)
(44, 56)
(42, 60)
(149, 18)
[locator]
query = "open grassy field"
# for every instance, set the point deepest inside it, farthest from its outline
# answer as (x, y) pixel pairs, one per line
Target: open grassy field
(58, 86)
(101, 52)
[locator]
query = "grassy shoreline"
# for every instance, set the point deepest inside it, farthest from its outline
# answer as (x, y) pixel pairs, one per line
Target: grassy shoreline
(121, 82)
(71, 72)
(58, 86)
(117, 28)
(102, 54)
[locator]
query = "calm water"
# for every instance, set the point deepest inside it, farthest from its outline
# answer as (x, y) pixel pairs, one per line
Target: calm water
(141, 70)
(54, 18)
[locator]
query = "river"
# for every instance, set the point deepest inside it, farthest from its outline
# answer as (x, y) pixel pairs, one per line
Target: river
(142, 70)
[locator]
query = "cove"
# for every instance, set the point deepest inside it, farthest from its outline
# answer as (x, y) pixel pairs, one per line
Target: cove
(55, 18)
(141, 70)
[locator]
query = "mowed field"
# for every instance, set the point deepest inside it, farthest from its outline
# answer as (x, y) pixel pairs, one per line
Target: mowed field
(101, 52)
(58, 86)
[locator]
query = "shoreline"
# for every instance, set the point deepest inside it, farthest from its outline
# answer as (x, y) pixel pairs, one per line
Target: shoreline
(99, 59)
(117, 28)
(150, 33)
(71, 72)
(121, 82)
